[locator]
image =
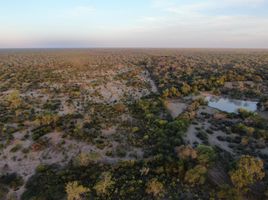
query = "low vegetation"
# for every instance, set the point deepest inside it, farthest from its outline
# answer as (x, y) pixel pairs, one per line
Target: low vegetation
(97, 124)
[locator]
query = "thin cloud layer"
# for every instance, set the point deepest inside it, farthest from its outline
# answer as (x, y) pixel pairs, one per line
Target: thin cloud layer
(150, 23)
(80, 11)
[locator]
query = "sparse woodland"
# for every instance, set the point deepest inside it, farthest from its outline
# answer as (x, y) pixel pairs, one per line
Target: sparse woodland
(98, 124)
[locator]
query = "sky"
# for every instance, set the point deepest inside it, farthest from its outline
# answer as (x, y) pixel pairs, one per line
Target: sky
(134, 23)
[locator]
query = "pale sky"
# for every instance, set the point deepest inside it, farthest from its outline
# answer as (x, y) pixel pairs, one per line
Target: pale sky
(134, 23)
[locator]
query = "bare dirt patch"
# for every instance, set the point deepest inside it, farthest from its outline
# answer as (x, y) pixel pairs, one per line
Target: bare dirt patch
(175, 107)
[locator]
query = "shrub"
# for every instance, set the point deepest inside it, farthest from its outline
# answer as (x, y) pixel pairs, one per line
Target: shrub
(155, 188)
(14, 99)
(206, 154)
(84, 159)
(105, 183)
(249, 170)
(13, 180)
(196, 176)
(75, 191)
(186, 152)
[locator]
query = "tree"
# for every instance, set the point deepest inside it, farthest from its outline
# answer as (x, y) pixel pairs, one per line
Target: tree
(186, 152)
(174, 92)
(177, 126)
(196, 176)
(228, 192)
(104, 184)
(46, 119)
(165, 93)
(185, 89)
(249, 170)
(245, 113)
(120, 107)
(75, 191)
(206, 154)
(155, 188)
(14, 99)
(84, 159)
(249, 130)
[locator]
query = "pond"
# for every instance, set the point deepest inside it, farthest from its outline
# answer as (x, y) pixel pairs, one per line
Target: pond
(231, 105)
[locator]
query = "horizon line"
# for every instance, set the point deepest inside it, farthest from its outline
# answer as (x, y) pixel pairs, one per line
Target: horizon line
(245, 48)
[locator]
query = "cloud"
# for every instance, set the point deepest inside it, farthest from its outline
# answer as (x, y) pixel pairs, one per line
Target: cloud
(168, 23)
(79, 11)
(190, 7)
(242, 2)
(190, 25)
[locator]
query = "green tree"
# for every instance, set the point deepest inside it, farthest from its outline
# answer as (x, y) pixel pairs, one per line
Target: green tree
(155, 188)
(174, 92)
(249, 170)
(227, 192)
(104, 184)
(196, 176)
(14, 99)
(206, 154)
(185, 89)
(84, 159)
(46, 119)
(165, 93)
(75, 191)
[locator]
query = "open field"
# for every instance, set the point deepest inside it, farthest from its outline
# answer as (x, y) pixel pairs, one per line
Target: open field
(133, 124)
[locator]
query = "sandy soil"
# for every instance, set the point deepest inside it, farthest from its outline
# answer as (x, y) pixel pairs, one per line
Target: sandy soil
(191, 137)
(109, 131)
(59, 151)
(175, 107)
(221, 144)
(264, 114)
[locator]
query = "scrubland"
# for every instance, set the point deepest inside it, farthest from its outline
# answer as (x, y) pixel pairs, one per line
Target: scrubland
(132, 124)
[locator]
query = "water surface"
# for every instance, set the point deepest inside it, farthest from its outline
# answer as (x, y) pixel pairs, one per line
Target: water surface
(231, 105)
